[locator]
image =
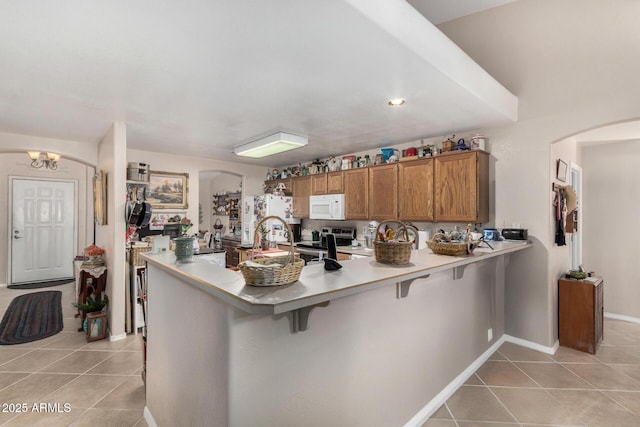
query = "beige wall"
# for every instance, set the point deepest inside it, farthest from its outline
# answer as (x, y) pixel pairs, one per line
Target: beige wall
(14, 162)
(253, 175)
(570, 65)
(611, 207)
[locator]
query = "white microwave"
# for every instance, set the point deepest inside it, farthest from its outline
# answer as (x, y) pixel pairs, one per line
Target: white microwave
(326, 206)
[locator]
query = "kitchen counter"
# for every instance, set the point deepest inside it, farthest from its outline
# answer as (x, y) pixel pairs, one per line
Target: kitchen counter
(360, 250)
(315, 285)
(370, 344)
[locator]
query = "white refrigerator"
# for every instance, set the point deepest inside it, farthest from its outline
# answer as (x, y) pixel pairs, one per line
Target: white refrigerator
(255, 208)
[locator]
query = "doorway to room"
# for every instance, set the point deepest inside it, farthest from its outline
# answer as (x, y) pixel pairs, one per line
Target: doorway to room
(42, 224)
(220, 202)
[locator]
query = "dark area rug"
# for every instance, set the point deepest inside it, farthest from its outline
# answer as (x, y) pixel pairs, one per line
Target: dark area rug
(32, 317)
(37, 285)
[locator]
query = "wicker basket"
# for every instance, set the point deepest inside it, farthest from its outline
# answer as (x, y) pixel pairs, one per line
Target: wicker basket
(396, 253)
(448, 247)
(134, 256)
(288, 272)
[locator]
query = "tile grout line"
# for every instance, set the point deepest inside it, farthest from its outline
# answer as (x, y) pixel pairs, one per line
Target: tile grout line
(496, 396)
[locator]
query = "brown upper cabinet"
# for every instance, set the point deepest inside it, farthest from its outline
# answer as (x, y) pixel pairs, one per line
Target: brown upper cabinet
(462, 187)
(301, 190)
(415, 190)
(319, 183)
(356, 193)
(335, 182)
(383, 192)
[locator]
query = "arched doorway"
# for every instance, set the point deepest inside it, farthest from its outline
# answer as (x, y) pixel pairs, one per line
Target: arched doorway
(220, 199)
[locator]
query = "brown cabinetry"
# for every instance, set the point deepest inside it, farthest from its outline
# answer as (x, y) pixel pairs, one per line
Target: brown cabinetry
(383, 192)
(319, 183)
(335, 184)
(415, 190)
(580, 313)
(230, 245)
(462, 187)
(301, 190)
(356, 193)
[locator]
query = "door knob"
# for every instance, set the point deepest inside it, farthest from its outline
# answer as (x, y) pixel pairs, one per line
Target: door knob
(16, 235)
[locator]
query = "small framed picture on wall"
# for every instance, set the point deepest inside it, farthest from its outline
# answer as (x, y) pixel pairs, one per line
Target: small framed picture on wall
(561, 173)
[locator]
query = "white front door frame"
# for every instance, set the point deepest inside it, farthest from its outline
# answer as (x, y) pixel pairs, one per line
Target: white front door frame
(10, 218)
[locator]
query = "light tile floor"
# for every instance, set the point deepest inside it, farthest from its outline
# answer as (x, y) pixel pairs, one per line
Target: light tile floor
(99, 381)
(522, 387)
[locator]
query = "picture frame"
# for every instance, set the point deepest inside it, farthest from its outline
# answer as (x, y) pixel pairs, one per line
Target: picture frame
(168, 190)
(100, 198)
(561, 172)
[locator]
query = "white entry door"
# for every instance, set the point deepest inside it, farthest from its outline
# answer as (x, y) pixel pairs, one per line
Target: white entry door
(43, 230)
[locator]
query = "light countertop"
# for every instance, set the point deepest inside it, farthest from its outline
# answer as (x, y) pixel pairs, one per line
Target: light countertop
(316, 285)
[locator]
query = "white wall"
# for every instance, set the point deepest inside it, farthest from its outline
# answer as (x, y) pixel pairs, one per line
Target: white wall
(572, 66)
(253, 175)
(111, 237)
(611, 208)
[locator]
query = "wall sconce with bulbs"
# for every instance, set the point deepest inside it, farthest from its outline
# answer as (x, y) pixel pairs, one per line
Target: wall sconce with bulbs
(39, 159)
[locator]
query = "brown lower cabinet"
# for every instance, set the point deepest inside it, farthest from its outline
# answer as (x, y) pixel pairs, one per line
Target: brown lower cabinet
(232, 257)
(580, 314)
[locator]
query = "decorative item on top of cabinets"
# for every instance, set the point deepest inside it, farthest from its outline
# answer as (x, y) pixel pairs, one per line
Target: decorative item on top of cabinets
(334, 164)
(462, 187)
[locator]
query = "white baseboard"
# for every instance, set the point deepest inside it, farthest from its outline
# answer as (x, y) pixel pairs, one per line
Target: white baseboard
(532, 345)
(621, 317)
(423, 415)
(149, 418)
(117, 337)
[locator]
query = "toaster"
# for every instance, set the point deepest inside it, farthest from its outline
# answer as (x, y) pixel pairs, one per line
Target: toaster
(515, 233)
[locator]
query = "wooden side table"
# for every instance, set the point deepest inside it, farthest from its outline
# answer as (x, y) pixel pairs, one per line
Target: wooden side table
(580, 313)
(93, 282)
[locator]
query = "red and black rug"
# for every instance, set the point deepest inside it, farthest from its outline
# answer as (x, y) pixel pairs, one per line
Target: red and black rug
(32, 317)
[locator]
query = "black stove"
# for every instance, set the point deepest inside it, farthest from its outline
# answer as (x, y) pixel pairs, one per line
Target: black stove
(344, 236)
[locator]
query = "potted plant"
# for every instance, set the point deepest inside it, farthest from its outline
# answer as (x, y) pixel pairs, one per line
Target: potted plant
(95, 318)
(264, 241)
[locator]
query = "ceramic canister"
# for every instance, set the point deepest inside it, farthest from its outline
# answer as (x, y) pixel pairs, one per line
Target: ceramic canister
(478, 142)
(184, 249)
(490, 234)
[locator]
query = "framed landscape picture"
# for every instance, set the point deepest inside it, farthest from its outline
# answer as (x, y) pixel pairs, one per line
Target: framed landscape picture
(168, 190)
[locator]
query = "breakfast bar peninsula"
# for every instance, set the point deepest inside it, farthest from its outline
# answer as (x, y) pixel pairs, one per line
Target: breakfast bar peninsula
(367, 345)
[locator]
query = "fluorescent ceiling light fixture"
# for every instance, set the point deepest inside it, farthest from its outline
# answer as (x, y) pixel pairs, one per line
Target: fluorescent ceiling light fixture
(396, 102)
(270, 145)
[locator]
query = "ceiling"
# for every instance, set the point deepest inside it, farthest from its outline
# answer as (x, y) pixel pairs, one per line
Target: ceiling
(202, 77)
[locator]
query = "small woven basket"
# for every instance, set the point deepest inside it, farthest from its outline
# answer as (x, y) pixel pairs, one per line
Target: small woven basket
(396, 253)
(135, 258)
(288, 271)
(448, 247)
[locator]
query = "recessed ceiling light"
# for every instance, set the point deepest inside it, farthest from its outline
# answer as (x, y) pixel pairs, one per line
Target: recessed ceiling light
(396, 102)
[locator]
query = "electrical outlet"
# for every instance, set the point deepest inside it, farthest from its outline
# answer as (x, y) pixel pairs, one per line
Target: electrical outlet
(515, 225)
(489, 334)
